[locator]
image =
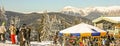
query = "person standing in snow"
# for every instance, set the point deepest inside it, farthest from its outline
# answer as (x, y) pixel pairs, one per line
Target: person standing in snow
(12, 29)
(25, 35)
(2, 32)
(28, 30)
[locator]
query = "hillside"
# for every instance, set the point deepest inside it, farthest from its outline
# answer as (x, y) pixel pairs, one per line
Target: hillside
(32, 18)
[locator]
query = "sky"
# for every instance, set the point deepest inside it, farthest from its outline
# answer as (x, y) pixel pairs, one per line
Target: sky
(52, 5)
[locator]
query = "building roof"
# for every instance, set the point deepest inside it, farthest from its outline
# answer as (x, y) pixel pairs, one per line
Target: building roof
(110, 19)
(83, 29)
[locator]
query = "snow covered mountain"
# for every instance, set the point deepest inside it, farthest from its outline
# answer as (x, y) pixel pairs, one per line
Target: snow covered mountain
(110, 10)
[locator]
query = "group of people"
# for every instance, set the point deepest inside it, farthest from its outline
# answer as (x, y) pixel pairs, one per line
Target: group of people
(19, 35)
(92, 41)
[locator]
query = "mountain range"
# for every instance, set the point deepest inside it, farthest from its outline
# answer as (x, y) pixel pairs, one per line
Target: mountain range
(92, 11)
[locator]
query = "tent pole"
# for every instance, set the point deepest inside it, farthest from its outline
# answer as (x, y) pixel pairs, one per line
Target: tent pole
(63, 41)
(80, 39)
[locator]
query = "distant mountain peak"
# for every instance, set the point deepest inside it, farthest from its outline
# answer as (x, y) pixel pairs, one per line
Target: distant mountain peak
(85, 11)
(68, 7)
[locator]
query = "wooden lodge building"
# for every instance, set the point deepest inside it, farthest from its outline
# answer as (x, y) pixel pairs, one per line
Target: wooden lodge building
(110, 24)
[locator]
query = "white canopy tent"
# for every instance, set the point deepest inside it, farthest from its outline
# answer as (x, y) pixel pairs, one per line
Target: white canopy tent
(83, 29)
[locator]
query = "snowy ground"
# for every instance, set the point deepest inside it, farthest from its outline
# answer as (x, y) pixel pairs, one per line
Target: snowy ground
(8, 43)
(44, 43)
